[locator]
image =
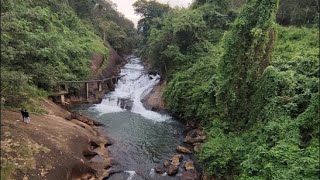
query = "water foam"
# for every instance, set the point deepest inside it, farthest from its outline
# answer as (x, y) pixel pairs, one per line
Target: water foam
(131, 174)
(134, 86)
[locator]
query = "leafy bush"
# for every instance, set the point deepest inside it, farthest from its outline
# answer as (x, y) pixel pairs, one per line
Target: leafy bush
(47, 41)
(17, 90)
(279, 136)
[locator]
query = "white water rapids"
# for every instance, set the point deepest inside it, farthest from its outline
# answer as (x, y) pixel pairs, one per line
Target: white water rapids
(133, 86)
(143, 138)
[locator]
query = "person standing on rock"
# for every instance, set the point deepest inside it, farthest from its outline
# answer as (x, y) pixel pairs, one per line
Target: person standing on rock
(22, 113)
(26, 116)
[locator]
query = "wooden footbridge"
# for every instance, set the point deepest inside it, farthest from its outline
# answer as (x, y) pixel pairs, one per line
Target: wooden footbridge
(64, 90)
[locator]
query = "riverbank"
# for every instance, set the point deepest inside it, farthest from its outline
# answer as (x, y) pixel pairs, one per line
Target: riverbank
(194, 137)
(57, 145)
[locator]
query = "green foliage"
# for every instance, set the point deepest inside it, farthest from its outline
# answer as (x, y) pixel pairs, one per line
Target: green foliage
(297, 12)
(176, 43)
(291, 12)
(7, 170)
(113, 27)
(272, 129)
(17, 90)
(189, 93)
(48, 42)
(246, 50)
(44, 42)
(281, 139)
(149, 10)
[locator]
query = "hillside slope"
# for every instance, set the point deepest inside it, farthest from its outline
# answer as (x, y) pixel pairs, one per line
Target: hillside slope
(47, 148)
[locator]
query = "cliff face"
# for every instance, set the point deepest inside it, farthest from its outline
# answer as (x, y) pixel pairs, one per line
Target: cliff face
(115, 61)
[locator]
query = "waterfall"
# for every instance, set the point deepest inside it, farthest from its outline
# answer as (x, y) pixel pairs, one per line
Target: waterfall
(130, 90)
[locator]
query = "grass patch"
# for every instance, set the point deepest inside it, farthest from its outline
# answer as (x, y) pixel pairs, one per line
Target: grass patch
(7, 169)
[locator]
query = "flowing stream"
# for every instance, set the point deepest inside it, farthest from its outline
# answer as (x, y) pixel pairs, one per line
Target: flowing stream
(142, 138)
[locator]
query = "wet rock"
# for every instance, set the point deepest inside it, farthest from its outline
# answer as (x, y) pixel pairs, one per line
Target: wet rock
(197, 147)
(190, 140)
(102, 141)
(154, 100)
(182, 149)
(84, 119)
(190, 175)
(108, 143)
(166, 163)
(155, 160)
(97, 159)
(189, 165)
(101, 164)
(101, 151)
(160, 169)
(105, 174)
(172, 170)
(85, 126)
(186, 130)
(175, 160)
(114, 170)
(153, 73)
(125, 103)
(196, 132)
(192, 124)
(192, 133)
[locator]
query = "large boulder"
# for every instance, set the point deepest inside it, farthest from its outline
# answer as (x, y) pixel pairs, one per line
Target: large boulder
(190, 175)
(97, 159)
(182, 149)
(172, 170)
(191, 140)
(166, 163)
(125, 103)
(197, 147)
(160, 169)
(101, 151)
(175, 160)
(84, 119)
(196, 132)
(189, 165)
(191, 124)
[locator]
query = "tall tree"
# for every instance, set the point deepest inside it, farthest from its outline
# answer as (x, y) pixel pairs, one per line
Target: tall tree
(247, 47)
(148, 10)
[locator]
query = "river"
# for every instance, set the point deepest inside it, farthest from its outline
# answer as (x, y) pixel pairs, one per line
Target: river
(142, 138)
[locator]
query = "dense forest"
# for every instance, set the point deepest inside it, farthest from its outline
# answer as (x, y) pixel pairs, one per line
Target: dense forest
(245, 70)
(44, 42)
(248, 72)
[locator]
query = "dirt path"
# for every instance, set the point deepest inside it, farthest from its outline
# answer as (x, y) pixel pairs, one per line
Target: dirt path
(47, 148)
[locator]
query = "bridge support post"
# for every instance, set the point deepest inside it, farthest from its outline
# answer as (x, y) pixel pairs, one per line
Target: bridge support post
(99, 86)
(87, 90)
(62, 99)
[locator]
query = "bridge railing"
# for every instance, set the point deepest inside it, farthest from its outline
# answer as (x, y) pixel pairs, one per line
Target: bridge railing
(98, 81)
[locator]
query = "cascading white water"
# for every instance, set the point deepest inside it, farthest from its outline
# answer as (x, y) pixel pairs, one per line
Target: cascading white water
(132, 87)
